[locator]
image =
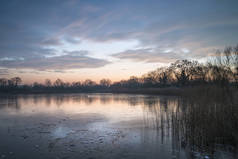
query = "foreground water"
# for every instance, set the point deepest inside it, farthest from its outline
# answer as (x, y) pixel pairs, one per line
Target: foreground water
(70, 126)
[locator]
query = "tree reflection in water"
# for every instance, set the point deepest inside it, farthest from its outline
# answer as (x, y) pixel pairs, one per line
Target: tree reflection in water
(203, 125)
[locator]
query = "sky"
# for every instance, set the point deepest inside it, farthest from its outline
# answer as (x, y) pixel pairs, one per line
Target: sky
(79, 39)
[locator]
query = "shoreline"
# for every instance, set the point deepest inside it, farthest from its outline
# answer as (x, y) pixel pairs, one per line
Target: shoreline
(149, 91)
(169, 91)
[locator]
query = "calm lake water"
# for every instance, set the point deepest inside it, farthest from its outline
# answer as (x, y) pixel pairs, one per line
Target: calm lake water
(70, 126)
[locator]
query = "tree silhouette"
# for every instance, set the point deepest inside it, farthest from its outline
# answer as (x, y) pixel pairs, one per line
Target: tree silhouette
(59, 83)
(105, 82)
(221, 70)
(15, 81)
(48, 83)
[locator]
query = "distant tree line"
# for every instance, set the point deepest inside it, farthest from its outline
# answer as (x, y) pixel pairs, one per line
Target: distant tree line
(221, 70)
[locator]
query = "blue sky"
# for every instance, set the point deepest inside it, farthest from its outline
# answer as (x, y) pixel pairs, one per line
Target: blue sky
(75, 40)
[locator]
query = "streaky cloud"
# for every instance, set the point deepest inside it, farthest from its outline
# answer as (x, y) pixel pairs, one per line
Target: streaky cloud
(4, 72)
(150, 55)
(56, 63)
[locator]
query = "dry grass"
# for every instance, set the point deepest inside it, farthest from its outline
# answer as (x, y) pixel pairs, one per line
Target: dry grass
(207, 118)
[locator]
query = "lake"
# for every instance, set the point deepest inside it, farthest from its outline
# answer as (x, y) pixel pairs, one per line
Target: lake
(113, 126)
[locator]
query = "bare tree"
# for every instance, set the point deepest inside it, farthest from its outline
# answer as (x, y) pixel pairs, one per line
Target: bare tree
(105, 82)
(58, 83)
(16, 81)
(235, 63)
(89, 83)
(76, 84)
(48, 83)
(3, 82)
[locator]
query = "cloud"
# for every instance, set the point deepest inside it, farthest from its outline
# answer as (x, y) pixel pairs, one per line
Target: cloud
(55, 63)
(77, 53)
(150, 55)
(72, 40)
(4, 71)
(52, 42)
(38, 31)
(200, 30)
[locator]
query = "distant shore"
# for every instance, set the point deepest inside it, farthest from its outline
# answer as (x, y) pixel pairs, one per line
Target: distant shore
(168, 91)
(154, 91)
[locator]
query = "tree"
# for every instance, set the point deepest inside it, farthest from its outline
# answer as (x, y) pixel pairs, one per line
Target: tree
(184, 71)
(221, 67)
(164, 75)
(235, 61)
(89, 83)
(133, 82)
(36, 85)
(200, 73)
(3, 82)
(16, 81)
(76, 84)
(105, 82)
(48, 83)
(59, 83)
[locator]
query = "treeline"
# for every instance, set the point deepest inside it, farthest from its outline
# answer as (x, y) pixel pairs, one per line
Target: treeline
(221, 70)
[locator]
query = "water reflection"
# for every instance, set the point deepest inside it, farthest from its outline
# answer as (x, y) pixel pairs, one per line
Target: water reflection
(152, 125)
(61, 132)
